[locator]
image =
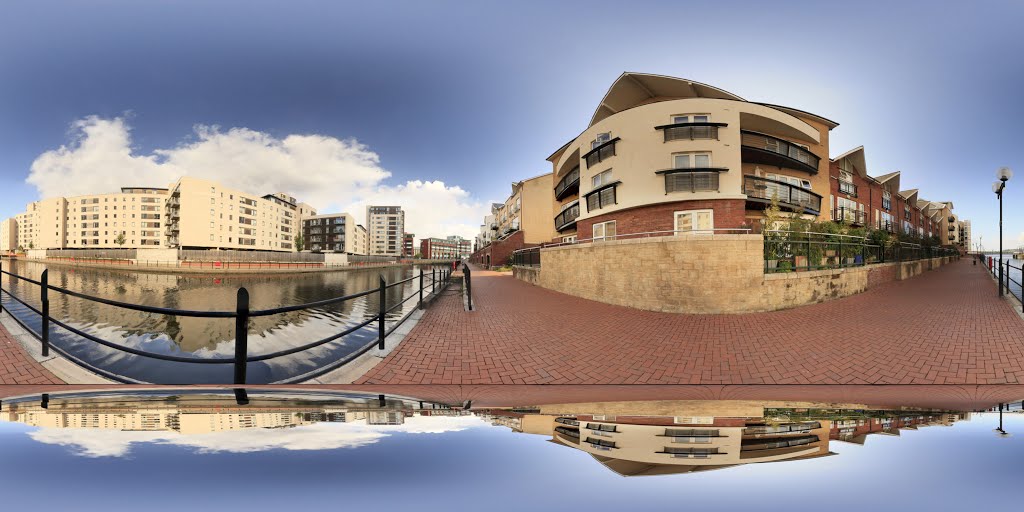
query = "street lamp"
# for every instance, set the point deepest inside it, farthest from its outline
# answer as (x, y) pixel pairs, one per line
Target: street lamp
(1004, 174)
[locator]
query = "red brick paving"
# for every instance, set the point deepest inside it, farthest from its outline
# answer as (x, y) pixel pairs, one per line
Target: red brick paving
(944, 327)
(16, 367)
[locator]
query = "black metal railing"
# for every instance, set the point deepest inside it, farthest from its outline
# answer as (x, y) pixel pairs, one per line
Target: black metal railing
(788, 251)
(850, 216)
(568, 185)
(845, 187)
(600, 153)
(764, 189)
(529, 257)
(1005, 278)
(567, 217)
(690, 131)
(761, 148)
(467, 278)
(691, 180)
(438, 281)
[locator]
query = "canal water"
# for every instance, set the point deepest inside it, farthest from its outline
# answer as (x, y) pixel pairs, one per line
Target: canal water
(396, 453)
(207, 337)
(1014, 271)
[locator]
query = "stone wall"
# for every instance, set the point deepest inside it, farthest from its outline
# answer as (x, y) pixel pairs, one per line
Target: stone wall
(335, 259)
(702, 274)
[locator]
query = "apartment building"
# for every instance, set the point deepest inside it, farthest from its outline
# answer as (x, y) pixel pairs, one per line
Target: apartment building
(453, 247)
(965, 234)
(8, 235)
(861, 200)
(386, 227)
(523, 220)
(203, 214)
(408, 245)
(336, 232)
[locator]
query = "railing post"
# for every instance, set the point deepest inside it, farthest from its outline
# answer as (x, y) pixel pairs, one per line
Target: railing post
(1, 281)
(241, 334)
(433, 279)
(382, 291)
(44, 298)
(421, 287)
(469, 286)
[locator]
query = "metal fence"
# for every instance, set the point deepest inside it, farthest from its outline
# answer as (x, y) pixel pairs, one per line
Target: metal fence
(1005, 278)
(249, 256)
(438, 281)
(788, 251)
(526, 257)
(362, 258)
(100, 254)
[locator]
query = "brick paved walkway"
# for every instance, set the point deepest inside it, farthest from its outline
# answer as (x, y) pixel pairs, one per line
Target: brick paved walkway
(16, 367)
(944, 327)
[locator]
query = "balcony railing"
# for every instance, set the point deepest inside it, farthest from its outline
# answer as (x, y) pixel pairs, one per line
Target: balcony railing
(761, 148)
(845, 187)
(691, 180)
(690, 131)
(567, 218)
(568, 185)
(850, 216)
(764, 189)
(951, 218)
(601, 153)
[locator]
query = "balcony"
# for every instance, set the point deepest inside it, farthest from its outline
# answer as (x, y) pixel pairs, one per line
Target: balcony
(952, 237)
(690, 131)
(765, 149)
(850, 216)
(952, 228)
(951, 218)
(762, 190)
(600, 153)
(845, 187)
(567, 218)
(889, 226)
(568, 185)
(691, 180)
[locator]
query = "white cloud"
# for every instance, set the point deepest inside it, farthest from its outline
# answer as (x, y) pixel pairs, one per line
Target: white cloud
(326, 172)
(321, 436)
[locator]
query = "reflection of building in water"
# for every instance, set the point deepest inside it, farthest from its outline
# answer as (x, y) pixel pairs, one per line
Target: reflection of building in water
(654, 438)
(202, 292)
(197, 418)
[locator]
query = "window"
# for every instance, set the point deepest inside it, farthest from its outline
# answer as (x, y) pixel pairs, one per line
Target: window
(602, 178)
(695, 221)
(886, 200)
(600, 139)
(569, 239)
(598, 200)
(604, 231)
(691, 160)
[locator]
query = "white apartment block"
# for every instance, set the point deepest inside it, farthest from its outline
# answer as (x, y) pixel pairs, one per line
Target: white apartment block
(386, 226)
(8, 235)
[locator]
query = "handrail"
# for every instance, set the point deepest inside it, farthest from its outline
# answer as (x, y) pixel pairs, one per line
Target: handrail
(646, 234)
(439, 274)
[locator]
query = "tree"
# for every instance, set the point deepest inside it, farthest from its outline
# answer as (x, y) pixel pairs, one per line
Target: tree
(31, 245)
(300, 243)
(418, 255)
(120, 240)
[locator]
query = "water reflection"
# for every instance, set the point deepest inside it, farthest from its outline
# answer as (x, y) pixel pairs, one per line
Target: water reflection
(203, 337)
(631, 437)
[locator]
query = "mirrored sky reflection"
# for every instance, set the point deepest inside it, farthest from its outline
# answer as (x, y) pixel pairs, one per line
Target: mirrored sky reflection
(167, 450)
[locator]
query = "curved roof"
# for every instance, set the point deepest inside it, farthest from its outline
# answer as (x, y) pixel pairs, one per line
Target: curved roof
(856, 156)
(632, 89)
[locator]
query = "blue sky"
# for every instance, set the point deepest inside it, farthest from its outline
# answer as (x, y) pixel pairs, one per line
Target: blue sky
(933, 468)
(478, 94)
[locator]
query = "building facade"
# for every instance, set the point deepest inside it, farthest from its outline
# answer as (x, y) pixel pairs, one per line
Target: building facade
(408, 245)
(192, 213)
(336, 232)
(453, 247)
(8, 235)
(386, 227)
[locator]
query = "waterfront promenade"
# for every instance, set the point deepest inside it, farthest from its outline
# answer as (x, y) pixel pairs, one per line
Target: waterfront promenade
(16, 367)
(944, 327)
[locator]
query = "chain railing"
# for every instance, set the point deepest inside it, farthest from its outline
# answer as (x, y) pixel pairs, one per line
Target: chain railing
(242, 314)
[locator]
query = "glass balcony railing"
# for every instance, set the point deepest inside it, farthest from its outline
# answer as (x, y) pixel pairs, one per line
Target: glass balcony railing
(765, 149)
(568, 185)
(764, 190)
(567, 217)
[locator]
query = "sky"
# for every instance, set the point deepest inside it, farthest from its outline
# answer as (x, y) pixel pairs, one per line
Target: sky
(441, 105)
(463, 464)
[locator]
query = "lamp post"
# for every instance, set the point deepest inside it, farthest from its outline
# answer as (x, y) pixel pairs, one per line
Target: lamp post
(1004, 174)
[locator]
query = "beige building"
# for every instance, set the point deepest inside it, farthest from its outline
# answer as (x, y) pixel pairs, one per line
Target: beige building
(8, 235)
(664, 154)
(527, 209)
(385, 229)
(203, 214)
